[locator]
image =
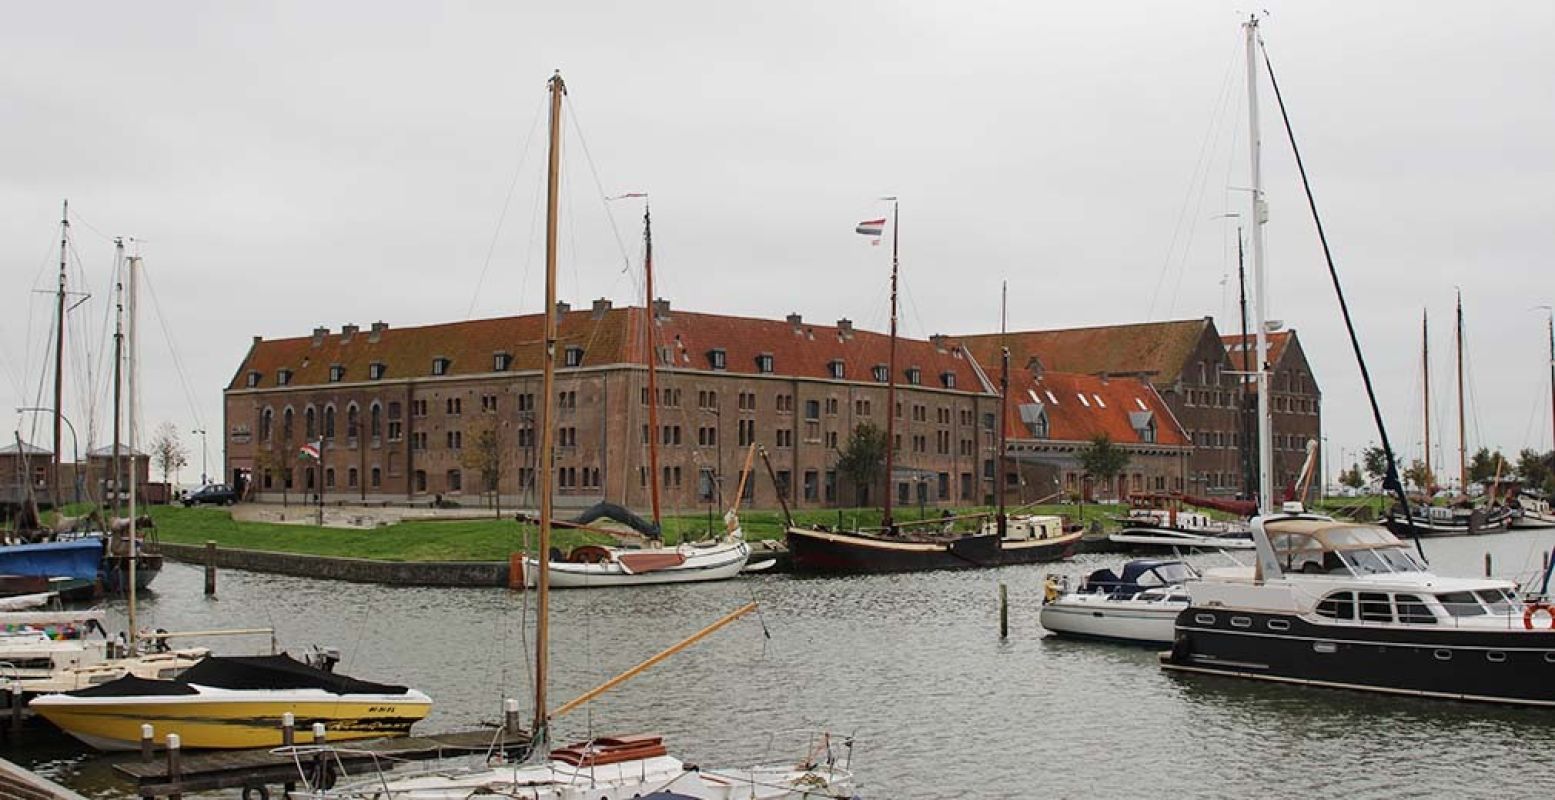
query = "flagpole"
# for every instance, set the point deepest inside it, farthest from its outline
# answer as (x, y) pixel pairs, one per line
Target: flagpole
(890, 400)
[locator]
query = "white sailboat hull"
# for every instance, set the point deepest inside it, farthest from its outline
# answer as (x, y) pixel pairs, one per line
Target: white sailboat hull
(1095, 616)
(722, 561)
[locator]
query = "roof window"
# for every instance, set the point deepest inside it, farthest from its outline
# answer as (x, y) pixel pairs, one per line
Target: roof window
(440, 365)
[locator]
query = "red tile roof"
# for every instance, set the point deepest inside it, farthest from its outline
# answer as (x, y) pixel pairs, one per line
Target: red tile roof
(613, 336)
(1160, 349)
(1277, 342)
(1105, 408)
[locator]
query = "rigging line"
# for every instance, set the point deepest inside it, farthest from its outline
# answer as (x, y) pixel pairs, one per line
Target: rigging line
(576, 121)
(1200, 191)
(496, 233)
(1391, 480)
(75, 218)
(1200, 162)
(178, 363)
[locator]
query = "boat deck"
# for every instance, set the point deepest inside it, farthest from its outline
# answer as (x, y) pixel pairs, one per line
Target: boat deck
(203, 771)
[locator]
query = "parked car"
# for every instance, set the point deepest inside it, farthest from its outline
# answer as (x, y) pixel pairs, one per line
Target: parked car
(219, 494)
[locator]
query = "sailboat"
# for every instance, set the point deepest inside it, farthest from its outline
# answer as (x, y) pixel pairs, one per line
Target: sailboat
(1531, 508)
(604, 767)
(1462, 516)
(599, 566)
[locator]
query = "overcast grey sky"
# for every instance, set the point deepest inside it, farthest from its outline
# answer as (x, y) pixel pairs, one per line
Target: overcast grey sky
(287, 165)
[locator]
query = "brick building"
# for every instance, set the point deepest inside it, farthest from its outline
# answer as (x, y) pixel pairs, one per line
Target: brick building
(1190, 365)
(400, 410)
(1295, 401)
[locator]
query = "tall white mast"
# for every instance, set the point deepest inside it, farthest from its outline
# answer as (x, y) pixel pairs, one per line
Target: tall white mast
(1260, 215)
(133, 331)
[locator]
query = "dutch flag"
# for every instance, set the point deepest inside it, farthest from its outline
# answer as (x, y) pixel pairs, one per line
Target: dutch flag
(872, 228)
(309, 451)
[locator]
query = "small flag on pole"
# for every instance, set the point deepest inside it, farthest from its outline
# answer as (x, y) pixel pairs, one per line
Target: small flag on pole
(872, 228)
(309, 451)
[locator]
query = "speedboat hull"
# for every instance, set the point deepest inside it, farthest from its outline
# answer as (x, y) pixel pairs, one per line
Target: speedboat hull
(231, 719)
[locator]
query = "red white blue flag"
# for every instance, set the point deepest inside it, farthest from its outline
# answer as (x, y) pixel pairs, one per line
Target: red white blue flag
(872, 228)
(309, 451)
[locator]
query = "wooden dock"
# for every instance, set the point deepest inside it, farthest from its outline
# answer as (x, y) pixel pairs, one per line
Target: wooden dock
(255, 770)
(23, 785)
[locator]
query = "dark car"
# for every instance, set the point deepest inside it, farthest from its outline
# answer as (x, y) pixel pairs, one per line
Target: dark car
(218, 494)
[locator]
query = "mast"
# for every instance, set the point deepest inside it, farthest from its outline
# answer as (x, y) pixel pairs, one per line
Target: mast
(540, 732)
(1552, 373)
(118, 374)
(1425, 369)
(890, 391)
(1004, 398)
(132, 550)
(59, 352)
(1463, 446)
(1249, 479)
(1260, 215)
(653, 363)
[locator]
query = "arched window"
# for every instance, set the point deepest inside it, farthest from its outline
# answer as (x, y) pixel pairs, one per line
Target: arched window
(329, 422)
(266, 422)
(375, 420)
(351, 478)
(310, 426)
(329, 478)
(353, 421)
(286, 424)
(377, 477)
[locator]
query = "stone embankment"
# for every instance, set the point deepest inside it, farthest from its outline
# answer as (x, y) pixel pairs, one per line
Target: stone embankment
(358, 570)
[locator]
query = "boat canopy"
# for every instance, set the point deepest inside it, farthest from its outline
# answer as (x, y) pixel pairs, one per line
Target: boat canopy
(241, 672)
(1339, 548)
(1138, 575)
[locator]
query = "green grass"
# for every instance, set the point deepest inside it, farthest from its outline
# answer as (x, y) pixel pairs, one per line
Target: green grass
(493, 539)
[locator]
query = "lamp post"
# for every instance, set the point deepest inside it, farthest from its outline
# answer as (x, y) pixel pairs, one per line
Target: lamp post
(75, 453)
(718, 450)
(203, 477)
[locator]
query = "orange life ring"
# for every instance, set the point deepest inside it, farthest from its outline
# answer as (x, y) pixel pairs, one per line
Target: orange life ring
(1534, 608)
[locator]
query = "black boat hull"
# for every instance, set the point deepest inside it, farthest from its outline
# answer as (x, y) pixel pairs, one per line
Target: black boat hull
(830, 552)
(1512, 666)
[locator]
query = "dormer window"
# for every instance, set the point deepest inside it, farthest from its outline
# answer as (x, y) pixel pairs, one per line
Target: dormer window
(440, 365)
(375, 371)
(572, 356)
(1144, 425)
(716, 358)
(501, 362)
(836, 368)
(283, 377)
(764, 363)
(882, 373)
(948, 380)
(337, 372)
(253, 378)
(914, 376)
(1034, 415)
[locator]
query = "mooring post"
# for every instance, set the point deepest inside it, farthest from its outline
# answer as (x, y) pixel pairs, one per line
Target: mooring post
(288, 729)
(1004, 611)
(16, 707)
(1544, 561)
(510, 722)
(210, 568)
(148, 741)
(320, 758)
(175, 764)
(1487, 565)
(515, 571)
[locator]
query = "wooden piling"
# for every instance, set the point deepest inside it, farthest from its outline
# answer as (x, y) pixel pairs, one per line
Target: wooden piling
(320, 758)
(175, 772)
(1004, 611)
(148, 741)
(516, 571)
(210, 568)
(288, 729)
(1487, 565)
(510, 720)
(16, 708)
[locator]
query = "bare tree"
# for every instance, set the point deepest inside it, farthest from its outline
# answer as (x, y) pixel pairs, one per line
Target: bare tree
(483, 455)
(169, 452)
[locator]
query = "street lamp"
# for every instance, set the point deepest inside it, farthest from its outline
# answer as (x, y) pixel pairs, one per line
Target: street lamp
(718, 449)
(75, 452)
(204, 479)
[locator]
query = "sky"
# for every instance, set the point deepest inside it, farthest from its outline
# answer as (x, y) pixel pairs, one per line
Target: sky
(286, 165)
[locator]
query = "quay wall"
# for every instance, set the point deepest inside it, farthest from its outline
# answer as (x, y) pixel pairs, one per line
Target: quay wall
(357, 570)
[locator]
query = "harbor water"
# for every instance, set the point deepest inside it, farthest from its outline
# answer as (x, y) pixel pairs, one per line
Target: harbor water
(912, 666)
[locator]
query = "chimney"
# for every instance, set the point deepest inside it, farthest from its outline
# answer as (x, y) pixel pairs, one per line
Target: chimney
(347, 331)
(1035, 365)
(562, 307)
(600, 307)
(939, 340)
(795, 321)
(318, 336)
(845, 328)
(377, 330)
(661, 309)
(258, 339)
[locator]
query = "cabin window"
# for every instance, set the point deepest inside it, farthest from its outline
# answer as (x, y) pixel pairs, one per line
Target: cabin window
(1495, 656)
(1412, 610)
(1496, 601)
(1461, 604)
(1339, 605)
(1375, 607)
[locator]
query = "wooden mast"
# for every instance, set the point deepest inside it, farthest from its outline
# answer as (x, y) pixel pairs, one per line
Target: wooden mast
(649, 312)
(118, 378)
(1425, 369)
(58, 498)
(1463, 445)
(540, 731)
(1002, 524)
(890, 392)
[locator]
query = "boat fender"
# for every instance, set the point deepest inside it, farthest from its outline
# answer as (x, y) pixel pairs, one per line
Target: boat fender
(256, 793)
(1180, 649)
(1537, 607)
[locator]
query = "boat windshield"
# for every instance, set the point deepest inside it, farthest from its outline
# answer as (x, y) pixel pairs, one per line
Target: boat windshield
(1461, 604)
(1166, 575)
(1381, 560)
(1498, 601)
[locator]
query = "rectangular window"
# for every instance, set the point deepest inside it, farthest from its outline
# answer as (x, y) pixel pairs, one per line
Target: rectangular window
(812, 481)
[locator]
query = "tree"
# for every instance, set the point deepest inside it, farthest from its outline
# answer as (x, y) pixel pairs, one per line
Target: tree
(1375, 460)
(1535, 468)
(862, 460)
(1352, 477)
(1418, 475)
(1103, 459)
(1485, 466)
(168, 451)
(483, 453)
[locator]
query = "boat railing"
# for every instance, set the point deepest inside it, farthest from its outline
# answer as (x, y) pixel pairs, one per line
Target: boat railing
(320, 765)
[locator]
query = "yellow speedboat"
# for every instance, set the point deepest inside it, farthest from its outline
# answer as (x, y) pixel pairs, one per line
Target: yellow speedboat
(232, 702)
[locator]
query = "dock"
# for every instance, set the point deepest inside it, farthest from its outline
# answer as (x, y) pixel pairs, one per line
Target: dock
(254, 771)
(23, 785)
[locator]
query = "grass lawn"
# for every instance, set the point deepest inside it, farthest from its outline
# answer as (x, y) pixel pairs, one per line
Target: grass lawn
(488, 539)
